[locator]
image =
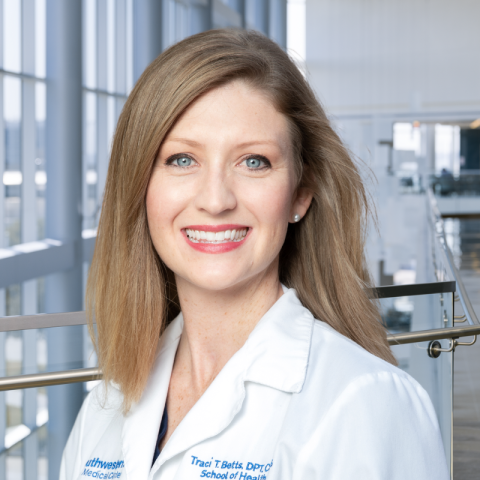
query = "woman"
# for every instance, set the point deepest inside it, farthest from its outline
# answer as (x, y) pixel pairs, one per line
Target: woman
(230, 199)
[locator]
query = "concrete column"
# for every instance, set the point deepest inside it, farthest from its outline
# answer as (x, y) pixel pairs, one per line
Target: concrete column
(201, 16)
(103, 139)
(29, 229)
(63, 210)
(243, 12)
(430, 147)
(147, 36)
(380, 144)
(383, 144)
(3, 409)
(3, 406)
(277, 22)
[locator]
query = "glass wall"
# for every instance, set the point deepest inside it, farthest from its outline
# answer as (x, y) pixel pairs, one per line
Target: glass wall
(118, 41)
(22, 217)
(108, 77)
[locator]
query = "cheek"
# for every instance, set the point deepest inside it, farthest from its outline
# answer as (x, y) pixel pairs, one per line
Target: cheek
(271, 205)
(161, 204)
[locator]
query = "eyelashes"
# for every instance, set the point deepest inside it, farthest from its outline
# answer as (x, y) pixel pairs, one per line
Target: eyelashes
(252, 162)
(182, 160)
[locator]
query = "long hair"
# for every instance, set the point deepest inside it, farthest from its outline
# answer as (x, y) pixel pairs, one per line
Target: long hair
(132, 294)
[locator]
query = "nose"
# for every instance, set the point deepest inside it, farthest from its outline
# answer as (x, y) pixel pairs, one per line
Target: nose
(216, 194)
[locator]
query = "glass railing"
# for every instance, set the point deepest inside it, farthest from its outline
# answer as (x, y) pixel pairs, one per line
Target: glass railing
(466, 183)
(463, 184)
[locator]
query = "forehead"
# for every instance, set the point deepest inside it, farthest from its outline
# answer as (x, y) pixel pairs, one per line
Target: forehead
(231, 111)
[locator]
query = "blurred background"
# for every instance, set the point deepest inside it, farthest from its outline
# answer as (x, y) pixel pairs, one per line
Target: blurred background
(399, 80)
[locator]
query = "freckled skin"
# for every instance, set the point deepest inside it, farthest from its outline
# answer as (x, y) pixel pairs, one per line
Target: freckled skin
(222, 296)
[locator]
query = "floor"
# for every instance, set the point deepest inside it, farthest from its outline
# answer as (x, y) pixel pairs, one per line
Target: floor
(466, 412)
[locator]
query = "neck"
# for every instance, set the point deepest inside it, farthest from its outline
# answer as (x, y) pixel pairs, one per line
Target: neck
(218, 323)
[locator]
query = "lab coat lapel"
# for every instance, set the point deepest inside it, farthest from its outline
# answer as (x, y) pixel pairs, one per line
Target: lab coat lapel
(275, 354)
(212, 413)
(141, 426)
(280, 345)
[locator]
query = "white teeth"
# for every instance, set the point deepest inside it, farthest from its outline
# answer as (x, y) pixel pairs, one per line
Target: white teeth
(197, 236)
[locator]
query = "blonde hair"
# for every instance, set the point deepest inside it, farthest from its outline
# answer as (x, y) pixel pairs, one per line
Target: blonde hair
(132, 294)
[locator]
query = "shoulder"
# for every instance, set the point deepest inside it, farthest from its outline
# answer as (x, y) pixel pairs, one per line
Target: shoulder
(342, 372)
(346, 359)
(103, 403)
(101, 409)
(359, 403)
(101, 406)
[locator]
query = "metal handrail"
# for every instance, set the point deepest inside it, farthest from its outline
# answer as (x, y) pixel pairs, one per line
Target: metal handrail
(436, 334)
(414, 289)
(42, 320)
(48, 379)
(89, 374)
(69, 319)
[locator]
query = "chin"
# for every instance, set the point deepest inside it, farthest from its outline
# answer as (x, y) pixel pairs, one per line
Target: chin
(216, 283)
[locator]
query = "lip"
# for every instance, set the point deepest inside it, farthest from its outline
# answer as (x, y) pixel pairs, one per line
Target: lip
(220, 247)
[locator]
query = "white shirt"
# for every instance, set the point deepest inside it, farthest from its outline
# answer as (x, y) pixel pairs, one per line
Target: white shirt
(297, 401)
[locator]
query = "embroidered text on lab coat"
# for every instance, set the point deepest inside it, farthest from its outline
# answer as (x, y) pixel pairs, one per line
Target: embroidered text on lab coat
(233, 470)
(102, 469)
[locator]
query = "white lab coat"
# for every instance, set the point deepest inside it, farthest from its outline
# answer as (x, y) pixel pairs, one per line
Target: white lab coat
(297, 401)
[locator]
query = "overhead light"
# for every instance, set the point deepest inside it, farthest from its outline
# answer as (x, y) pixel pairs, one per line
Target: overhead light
(475, 123)
(41, 177)
(92, 177)
(12, 177)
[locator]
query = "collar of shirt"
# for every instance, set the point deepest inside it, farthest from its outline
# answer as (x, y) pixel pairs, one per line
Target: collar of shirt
(275, 354)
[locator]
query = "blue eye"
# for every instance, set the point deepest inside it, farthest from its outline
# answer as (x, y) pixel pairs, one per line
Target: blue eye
(254, 163)
(182, 162)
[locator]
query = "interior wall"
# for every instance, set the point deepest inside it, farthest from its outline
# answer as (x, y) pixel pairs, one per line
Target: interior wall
(377, 56)
(376, 62)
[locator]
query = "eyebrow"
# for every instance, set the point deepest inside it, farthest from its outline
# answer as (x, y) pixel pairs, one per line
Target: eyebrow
(194, 143)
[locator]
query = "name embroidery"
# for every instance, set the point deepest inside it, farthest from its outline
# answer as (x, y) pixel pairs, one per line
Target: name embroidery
(223, 469)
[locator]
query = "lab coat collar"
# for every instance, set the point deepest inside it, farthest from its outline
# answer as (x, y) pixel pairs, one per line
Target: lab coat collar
(277, 350)
(140, 429)
(275, 354)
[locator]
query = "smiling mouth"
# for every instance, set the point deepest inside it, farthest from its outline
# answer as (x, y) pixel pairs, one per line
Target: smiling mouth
(226, 236)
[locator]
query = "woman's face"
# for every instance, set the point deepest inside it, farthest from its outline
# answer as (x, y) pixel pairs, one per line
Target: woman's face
(222, 191)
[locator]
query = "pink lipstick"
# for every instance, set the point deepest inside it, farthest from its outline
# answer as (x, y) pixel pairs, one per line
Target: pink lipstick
(216, 238)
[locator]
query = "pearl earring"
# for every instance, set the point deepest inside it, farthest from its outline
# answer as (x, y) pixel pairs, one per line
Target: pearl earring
(296, 217)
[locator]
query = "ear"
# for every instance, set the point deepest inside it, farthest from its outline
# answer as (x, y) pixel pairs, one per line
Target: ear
(301, 203)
